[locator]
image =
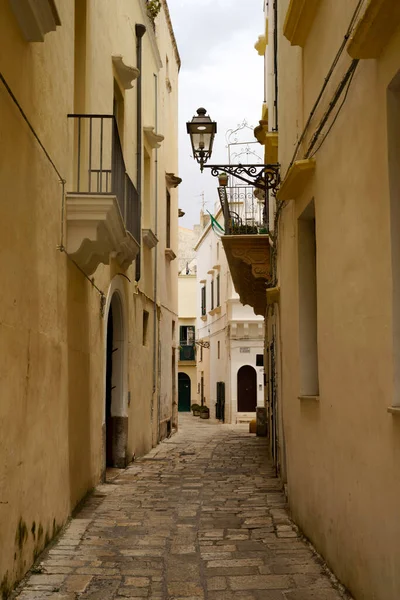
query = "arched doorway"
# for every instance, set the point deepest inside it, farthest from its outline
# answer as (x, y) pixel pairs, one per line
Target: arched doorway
(116, 420)
(247, 389)
(184, 392)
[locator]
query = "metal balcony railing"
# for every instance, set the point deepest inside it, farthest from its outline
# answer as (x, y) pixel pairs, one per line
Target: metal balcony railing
(245, 210)
(99, 166)
(186, 351)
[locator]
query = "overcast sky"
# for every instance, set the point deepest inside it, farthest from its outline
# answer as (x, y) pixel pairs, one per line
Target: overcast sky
(222, 72)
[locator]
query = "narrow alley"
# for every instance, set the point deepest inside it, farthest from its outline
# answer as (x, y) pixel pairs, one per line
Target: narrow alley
(202, 516)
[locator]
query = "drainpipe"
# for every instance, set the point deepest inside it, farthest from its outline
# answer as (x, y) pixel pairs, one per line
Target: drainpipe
(155, 325)
(140, 31)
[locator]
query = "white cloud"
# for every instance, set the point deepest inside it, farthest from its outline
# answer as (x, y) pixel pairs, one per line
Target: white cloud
(221, 71)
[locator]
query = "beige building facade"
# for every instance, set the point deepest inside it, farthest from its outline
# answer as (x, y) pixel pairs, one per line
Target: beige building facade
(332, 314)
(88, 236)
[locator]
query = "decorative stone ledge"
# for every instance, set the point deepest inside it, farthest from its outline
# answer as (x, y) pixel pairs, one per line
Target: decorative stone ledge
(217, 267)
(215, 311)
(309, 398)
(261, 44)
(170, 254)
(172, 180)
(261, 131)
(153, 139)
(296, 180)
(271, 147)
(149, 238)
(273, 295)
(203, 281)
(96, 231)
(203, 317)
(375, 28)
(36, 18)
(126, 74)
(394, 410)
(299, 19)
(250, 266)
(210, 272)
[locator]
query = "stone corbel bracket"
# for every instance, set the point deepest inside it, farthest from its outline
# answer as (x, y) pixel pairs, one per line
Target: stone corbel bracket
(126, 74)
(153, 139)
(172, 180)
(96, 231)
(149, 238)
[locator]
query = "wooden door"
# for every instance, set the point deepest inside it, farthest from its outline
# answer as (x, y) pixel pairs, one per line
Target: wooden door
(247, 389)
(184, 392)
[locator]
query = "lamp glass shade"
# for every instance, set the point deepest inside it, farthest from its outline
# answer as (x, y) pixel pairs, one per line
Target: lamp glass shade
(202, 132)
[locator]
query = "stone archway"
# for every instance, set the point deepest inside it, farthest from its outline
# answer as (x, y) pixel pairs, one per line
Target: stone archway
(116, 420)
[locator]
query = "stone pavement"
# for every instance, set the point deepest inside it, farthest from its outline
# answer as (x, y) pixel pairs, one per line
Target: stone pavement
(201, 517)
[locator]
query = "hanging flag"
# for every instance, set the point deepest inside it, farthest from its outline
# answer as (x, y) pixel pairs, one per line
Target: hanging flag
(217, 228)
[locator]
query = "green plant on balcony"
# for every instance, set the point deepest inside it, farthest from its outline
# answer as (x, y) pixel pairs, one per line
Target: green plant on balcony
(153, 8)
(239, 229)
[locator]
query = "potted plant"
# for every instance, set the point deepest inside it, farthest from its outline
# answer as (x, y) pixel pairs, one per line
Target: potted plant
(153, 8)
(195, 410)
(222, 179)
(204, 412)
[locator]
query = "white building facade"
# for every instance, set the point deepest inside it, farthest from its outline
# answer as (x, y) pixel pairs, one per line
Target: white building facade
(230, 372)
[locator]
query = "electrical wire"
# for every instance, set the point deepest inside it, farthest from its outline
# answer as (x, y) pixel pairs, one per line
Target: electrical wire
(327, 79)
(335, 117)
(4, 82)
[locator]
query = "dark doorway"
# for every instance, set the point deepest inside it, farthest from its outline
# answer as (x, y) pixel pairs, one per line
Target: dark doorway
(184, 392)
(247, 389)
(109, 423)
(116, 418)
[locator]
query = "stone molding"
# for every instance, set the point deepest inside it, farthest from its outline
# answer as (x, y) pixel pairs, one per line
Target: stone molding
(250, 266)
(96, 231)
(149, 238)
(296, 179)
(153, 139)
(373, 31)
(36, 18)
(126, 74)
(299, 19)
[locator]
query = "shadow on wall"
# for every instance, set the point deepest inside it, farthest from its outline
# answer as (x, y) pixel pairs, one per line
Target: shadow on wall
(79, 410)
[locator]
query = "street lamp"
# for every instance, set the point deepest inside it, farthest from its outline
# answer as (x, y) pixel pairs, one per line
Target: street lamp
(202, 132)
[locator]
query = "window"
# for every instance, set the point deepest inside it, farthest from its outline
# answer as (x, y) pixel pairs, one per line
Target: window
(203, 301)
(212, 294)
(259, 360)
(218, 291)
(219, 349)
(173, 330)
(308, 347)
(201, 353)
(168, 222)
(145, 326)
(186, 342)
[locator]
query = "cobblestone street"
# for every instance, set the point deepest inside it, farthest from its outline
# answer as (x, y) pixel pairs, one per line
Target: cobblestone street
(200, 517)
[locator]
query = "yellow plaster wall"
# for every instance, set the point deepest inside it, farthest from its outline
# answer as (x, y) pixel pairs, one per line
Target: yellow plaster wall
(52, 333)
(346, 473)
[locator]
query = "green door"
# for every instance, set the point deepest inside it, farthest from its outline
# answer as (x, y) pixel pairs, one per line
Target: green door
(183, 392)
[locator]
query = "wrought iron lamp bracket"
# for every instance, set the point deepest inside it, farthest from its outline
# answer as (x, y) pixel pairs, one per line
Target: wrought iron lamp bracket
(264, 177)
(203, 344)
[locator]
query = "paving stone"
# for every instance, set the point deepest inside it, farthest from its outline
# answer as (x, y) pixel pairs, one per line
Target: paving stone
(201, 516)
(260, 582)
